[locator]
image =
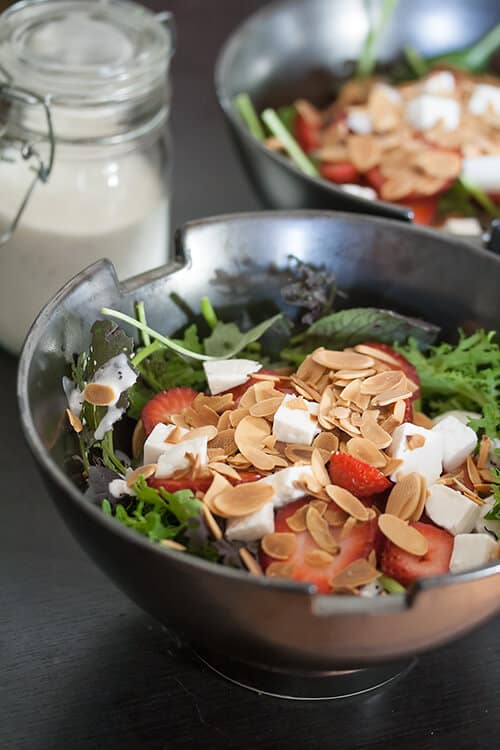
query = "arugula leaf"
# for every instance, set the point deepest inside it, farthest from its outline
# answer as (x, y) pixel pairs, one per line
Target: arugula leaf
(494, 513)
(226, 339)
(368, 56)
(287, 116)
(108, 340)
(464, 376)
(79, 370)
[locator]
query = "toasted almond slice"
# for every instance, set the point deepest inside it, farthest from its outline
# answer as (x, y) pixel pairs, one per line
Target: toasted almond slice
(220, 467)
(319, 530)
(372, 558)
(145, 471)
(422, 420)
(487, 475)
(297, 521)
(348, 527)
(212, 524)
(348, 502)
(208, 431)
(378, 354)
(309, 371)
(371, 430)
(320, 506)
(305, 390)
(239, 461)
(347, 426)
(483, 488)
(243, 499)
(225, 441)
(219, 484)
(392, 395)
(353, 374)
(219, 403)
(326, 441)
(352, 391)
(174, 436)
(267, 407)
(424, 493)
(248, 399)
(335, 360)
(358, 573)
(179, 421)
(99, 394)
(318, 558)
(381, 382)
(250, 562)
(296, 403)
(297, 453)
(404, 497)
(467, 492)
(341, 412)
(138, 439)
(171, 544)
(365, 450)
(444, 165)
(75, 422)
(279, 545)
(279, 570)
(335, 517)
(484, 453)
(309, 112)
(391, 466)
(224, 422)
(403, 536)
(472, 471)
(415, 441)
(318, 467)
(364, 151)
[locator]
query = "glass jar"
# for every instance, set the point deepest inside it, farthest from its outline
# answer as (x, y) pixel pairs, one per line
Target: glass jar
(84, 148)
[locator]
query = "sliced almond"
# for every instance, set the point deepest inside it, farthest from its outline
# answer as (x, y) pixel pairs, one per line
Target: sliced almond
(326, 441)
(391, 466)
(225, 441)
(174, 435)
(279, 545)
(404, 497)
(377, 354)
(444, 165)
(297, 521)
(224, 422)
(364, 152)
(243, 499)
(267, 407)
(320, 505)
(318, 467)
(415, 441)
(225, 469)
(146, 471)
(335, 360)
(297, 453)
(358, 573)
(371, 430)
(320, 531)
(390, 396)
(219, 484)
(171, 544)
(296, 403)
(335, 517)
(75, 422)
(138, 439)
(472, 471)
(347, 502)
(309, 371)
(251, 563)
(318, 558)
(399, 186)
(209, 431)
(279, 570)
(99, 394)
(484, 453)
(422, 420)
(353, 374)
(348, 527)
(403, 536)
(365, 450)
(212, 524)
(381, 382)
(309, 112)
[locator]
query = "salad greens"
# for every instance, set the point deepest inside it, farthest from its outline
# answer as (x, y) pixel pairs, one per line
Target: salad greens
(289, 143)
(368, 57)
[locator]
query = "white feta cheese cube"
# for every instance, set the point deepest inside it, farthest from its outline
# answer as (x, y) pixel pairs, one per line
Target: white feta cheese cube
(485, 525)
(119, 487)
(425, 460)
(483, 97)
(296, 425)
(483, 172)
(427, 110)
(284, 484)
(442, 82)
(471, 551)
(359, 121)
(174, 458)
(223, 374)
(156, 443)
(359, 191)
(252, 527)
(458, 441)
(460, 414)
(467, 227)
(388, 91)
(451, 510)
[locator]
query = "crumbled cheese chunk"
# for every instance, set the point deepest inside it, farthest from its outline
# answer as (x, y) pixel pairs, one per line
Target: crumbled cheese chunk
(458, 441)
(295, 425)
(360, 191)
(425, 460)
(156, 443)
(252, 527)
(285, 483)
(223, 374)
(483, 97)
(483, 172)
(471, 551)
(175, 457)
(118, 488)
(427, 110)
(359, 121)
(442, 82)
(451, 510)
(465, 226)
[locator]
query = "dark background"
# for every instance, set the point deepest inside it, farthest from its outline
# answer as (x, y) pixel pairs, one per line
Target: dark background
(81, 668)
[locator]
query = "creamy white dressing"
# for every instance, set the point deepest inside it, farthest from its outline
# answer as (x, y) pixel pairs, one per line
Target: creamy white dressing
(73, 395)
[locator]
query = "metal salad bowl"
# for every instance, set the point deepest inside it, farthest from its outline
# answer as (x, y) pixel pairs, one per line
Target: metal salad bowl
(302, 48)
(242, 261)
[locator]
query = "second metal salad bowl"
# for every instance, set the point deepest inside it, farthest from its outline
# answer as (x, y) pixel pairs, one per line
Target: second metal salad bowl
(241, 262)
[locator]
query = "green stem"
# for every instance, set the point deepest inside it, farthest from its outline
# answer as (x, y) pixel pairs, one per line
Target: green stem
(416, 62)
(476, 57)
(480, 197)
(368, 56)
(208, 312)
(289, 143)
(141, 317)
(146, 352)
(390, 585)
(244, 105)
(108, 454)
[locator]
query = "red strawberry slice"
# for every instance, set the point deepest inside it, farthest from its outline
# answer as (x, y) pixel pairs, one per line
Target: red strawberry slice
(406, 568)
(200, 484)
(306, 134)
(400, 363)
(356, 476)
(339, 172)
(358, 543)
(166, 404)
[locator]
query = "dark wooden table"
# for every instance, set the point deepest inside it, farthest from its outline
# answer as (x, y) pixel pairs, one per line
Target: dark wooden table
(81, 668)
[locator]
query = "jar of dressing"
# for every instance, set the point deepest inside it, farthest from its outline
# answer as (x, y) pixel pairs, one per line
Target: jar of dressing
(84, 149)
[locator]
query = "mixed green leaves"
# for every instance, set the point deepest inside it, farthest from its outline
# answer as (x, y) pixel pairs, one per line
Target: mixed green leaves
(465, 375)
(494, 513)
(465, 199)
(358, 325)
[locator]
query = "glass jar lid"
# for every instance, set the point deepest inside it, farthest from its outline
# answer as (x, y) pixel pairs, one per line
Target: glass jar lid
(84, 52)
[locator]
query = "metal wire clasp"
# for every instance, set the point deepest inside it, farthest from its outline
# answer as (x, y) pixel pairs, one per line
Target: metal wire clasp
(9, 95)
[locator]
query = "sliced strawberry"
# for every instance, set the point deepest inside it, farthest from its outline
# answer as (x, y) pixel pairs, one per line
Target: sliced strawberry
(424, 209)
(166, 404)
(401, 363)
(339, 172)
(356, 476)
(358, 543)
(306, 134)
(200, 484)
(238, 391)
(406, 568)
